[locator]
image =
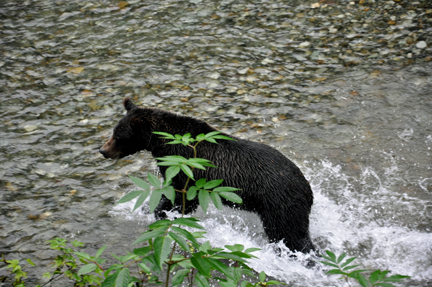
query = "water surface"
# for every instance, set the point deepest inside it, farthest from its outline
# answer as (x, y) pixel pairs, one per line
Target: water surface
(339, 89)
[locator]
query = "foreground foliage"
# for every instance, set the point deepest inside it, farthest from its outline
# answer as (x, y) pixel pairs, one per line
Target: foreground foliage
(342, 267)
(173, 249)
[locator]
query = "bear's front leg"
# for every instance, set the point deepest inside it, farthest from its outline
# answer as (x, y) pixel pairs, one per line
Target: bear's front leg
(164, 205)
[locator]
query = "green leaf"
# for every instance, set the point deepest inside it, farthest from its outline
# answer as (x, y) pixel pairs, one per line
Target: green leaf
(218, 265)
(213, 183)
(332, 256)
(341, 257)
(191, 193)
(191, 222)
(274, 282)
(75, 243)
(326, 257)
(204, 199)
(199, 234)
(155, 198)
(143, 251)
(187, 171)
(123, 278)
(382, 275)
(237, 271)
(236, 247)
(149, 235)
(30, 262)
(232, 256)
(169, 192)
(180, 240)
(200, 137)
(128, 197)
(171, 172)
(110, 280)
(211, 140)
(201, 281)
(246, 284)
(87, 269)
(262, 276)
(186, 137)
(350, 267)
(176, 142)
(361, 280)
(165, 223)
(82, 255)
(348, 261)
(141, 199)
(216, 200)
(253, 249)
(186, 234)
(100, 251)
(335, 271)
(395, 278)
(225, 189)
(185, 264)
(179, 277)
(210, 134)
(354, 273)
(154, 267)
(374, 276)
(192, 163)
(226, 283)
(140, 183)
(221, 137)
(385, 285)
(231, 197)
(144, 268)
(173, 158)
(201, 161)
(162, 249)
(165, 135)
(153, 180)
(200, 183)
(205, 247)
(201, 264)
(248, 272)
(127, 257)
(168, 163)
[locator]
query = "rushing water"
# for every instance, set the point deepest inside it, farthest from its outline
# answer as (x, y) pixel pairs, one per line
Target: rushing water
(338, 90)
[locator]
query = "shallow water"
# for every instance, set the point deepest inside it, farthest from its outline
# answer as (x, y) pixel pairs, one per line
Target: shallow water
(338, 89)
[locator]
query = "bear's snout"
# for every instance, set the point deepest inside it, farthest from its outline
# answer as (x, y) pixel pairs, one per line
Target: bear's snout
(107, 149)
(103, 152)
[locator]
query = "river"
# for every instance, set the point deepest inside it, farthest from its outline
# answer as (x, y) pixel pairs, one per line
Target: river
(343, 88)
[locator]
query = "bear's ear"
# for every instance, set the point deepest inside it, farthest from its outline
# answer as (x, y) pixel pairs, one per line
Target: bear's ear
(127, 103)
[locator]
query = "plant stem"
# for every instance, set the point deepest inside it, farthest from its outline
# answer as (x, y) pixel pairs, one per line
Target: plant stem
(183, 213)
(346, 279)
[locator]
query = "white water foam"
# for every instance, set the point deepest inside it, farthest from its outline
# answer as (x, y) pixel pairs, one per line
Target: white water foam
(343, 219)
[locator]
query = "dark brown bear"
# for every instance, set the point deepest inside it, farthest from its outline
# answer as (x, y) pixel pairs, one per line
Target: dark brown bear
(270, 184)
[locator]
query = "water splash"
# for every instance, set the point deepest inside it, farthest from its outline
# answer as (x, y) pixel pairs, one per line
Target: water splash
(344, 218)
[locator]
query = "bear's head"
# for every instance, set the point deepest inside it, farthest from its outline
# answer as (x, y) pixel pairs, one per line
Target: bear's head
(131, 134)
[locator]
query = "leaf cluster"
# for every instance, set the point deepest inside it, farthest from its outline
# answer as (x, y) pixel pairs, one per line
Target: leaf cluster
(342, 267)
(188, 140)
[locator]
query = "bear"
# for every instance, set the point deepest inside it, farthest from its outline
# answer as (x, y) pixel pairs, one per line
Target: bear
(269, 183)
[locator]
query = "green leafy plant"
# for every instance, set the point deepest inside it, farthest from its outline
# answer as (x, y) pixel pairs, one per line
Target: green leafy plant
(193, 261)
(342, 267)
(17, 270)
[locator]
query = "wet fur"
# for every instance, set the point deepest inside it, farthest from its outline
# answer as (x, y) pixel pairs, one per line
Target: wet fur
(271, 185)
